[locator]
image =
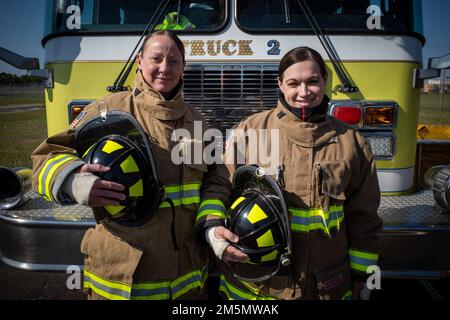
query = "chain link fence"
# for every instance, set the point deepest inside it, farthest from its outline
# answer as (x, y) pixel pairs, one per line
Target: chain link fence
(15, 93)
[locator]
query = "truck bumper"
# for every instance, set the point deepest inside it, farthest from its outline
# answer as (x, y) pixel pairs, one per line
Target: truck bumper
(415, 241)
(43, 236)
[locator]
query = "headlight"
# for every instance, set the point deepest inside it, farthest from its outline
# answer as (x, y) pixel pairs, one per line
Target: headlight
(438, 179)
(382, 145)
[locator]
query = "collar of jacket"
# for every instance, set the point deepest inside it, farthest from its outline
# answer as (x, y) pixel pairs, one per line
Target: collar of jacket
(305, 134)
(154, 102)
(315, 114)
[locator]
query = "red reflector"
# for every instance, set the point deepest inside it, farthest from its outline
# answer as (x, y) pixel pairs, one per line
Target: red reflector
(350, 115)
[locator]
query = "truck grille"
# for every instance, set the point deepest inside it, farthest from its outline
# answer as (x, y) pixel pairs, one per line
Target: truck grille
(227, 93)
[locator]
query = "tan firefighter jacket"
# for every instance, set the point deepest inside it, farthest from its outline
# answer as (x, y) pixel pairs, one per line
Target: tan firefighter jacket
(328, 173)
(141, 262)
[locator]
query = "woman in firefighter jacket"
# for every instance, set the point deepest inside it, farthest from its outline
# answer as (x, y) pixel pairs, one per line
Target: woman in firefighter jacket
(159, 259)
(331, 189)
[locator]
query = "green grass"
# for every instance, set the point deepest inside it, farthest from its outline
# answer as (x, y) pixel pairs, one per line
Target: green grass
(4, 100)
(429, 109)
(20, 134)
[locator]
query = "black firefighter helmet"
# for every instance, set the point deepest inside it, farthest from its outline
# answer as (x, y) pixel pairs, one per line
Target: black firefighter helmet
(259, 217)
(115, 139)
(129, 168)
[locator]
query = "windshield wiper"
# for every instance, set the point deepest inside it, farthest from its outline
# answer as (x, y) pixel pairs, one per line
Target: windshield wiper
(125, 72)
(286, 11)
(346, 85)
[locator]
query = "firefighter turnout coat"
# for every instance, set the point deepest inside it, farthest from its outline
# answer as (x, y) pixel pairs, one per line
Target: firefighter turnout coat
(141, 262)
(331, 188)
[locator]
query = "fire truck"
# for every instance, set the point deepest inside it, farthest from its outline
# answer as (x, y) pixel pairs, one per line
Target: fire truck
(373, 52)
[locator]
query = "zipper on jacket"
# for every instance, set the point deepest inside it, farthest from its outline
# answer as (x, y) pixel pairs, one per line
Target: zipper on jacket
(180, 174)
(311, 165)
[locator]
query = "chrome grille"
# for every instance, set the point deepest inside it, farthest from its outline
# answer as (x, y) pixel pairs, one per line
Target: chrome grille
(227, 93)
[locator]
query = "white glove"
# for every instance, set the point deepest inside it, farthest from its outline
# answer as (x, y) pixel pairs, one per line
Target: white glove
(78, 186)
(218, 245)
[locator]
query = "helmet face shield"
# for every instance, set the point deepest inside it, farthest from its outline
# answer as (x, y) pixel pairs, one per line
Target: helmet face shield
(112, 122)
(130, 159)
(260, 219)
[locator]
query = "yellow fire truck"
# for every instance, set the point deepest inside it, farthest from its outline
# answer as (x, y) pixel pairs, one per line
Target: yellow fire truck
(373, 51)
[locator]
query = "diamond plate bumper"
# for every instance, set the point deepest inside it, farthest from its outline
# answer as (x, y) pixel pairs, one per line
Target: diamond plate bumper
(415, 241)
(42, 235)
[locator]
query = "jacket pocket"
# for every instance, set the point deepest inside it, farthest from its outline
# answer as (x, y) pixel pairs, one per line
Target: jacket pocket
(334, 179)
(334, 283)
(331, 182)
(109, 264)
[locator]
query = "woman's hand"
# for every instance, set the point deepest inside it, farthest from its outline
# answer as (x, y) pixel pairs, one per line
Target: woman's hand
(103, 192)
(220, 239)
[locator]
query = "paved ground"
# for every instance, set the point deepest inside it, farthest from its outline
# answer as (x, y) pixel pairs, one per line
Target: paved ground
(20, 285)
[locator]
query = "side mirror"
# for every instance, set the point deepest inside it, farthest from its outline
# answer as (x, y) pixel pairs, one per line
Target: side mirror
(435, 65)
(439, 62)
(29, 64)
(18, 61)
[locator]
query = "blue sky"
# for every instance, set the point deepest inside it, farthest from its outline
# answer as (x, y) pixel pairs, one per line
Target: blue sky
(22, 27)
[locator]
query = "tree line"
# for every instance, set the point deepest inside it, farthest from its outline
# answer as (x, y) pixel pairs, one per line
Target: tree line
(8, 78)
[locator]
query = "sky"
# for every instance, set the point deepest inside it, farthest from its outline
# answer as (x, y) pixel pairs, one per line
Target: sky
(22, 28)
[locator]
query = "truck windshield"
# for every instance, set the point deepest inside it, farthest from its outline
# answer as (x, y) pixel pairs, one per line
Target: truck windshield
(332, 15)
(129, 15)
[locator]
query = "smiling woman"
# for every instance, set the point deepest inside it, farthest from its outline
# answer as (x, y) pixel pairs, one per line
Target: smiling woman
(162, 61)
(302, 77)
(156, 257)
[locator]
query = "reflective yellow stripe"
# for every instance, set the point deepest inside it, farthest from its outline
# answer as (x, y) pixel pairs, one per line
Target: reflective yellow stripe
(360, 260)
(152, 285)
(236, 203)
(109, 289)
(363, 254)
(146, 291)
(151, 291)
(213, 202)
(168, 289)
(181, 202)
(41, 183)
(348, 295)
(178, 188)
(52, 171)
(46, 174)
(107, 295)
(195, 279)
(305, 220)
(184, 194)
(234, 293)
(213, 207)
